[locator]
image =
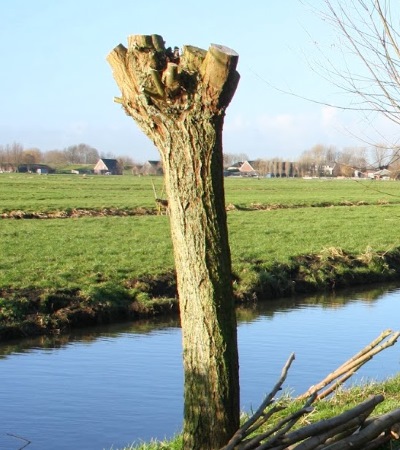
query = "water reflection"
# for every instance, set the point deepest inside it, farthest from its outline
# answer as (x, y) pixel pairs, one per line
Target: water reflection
(328, 300)
(245, 314)
(111, 385)
(88, 335)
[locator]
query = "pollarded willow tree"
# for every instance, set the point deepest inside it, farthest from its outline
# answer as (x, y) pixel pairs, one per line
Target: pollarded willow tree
(179, 102)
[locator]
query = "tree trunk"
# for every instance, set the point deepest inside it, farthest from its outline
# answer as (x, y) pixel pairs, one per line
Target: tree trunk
(179, 101)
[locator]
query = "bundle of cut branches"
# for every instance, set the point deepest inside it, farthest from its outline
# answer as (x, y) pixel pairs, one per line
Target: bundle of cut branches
(352, 429)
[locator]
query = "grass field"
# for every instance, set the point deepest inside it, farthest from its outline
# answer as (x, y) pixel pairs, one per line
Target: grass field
(271, 223)
(73, 252)
(65, 252)
(31, 192)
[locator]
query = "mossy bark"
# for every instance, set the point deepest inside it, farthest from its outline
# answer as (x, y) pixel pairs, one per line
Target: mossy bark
(179, 101)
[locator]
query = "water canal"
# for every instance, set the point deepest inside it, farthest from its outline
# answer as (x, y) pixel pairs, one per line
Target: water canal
(104, 388)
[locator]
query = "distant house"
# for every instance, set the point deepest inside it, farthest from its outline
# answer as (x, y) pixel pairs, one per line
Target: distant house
(383, 174)
(7, 167)
(328, 169)
(107, 167)
(152, 168)
(242, 168)
(35, 168)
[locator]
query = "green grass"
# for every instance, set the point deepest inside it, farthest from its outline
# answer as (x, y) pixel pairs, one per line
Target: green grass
(282, 233)
(317, 192)
(65, 253)
(172, 444)
(32, 192)
(71, 252)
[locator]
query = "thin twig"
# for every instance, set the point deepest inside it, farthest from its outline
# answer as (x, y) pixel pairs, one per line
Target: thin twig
(284, 426)
(241, 433)
(22, 439)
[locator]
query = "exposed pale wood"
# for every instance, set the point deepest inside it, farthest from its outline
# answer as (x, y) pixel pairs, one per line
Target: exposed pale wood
(219, 74)
(140, 42)
(171, 79)
(192, 58)
(395, 431)
(181, 108)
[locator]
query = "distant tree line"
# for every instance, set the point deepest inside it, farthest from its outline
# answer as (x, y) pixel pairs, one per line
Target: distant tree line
(14, 155)
(323, 161)
(320, 160)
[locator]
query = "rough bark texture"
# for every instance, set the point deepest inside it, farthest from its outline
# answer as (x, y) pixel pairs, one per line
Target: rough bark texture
(179, 101)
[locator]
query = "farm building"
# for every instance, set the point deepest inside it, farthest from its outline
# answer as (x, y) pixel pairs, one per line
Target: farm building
(383, 174)
(7, 167)
(242, 168)
(35, 168)
(107, 167)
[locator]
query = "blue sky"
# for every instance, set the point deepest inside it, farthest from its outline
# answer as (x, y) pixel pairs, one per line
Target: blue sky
(57, 89)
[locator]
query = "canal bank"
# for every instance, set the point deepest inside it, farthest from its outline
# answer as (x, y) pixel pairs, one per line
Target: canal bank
(32, 312)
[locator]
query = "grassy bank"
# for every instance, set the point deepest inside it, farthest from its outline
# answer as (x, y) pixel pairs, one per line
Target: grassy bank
(343, 400)
(47, 253)
(286, 236)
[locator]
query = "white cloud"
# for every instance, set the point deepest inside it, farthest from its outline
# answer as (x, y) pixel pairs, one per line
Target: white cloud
(289, 134)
